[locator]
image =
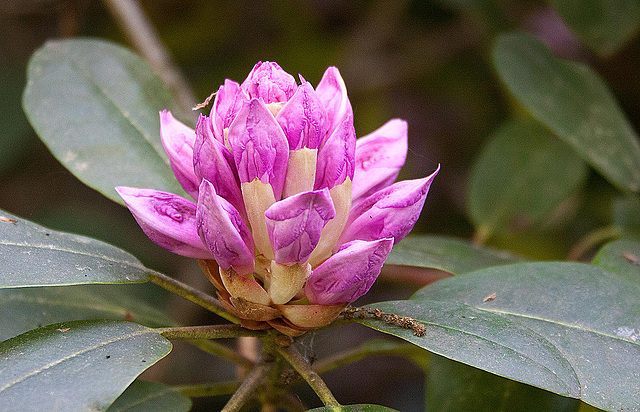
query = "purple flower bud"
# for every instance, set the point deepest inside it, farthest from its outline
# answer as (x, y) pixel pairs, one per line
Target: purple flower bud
(388, 213)
(267, 81)
(379, 157)
(221, 228)
(294, 224)
(169, 220)
(214, 162)
(332, 92)
(336, 157)
(303, 119)
(349, 273)
(178, 140)
(228, 102)
(260, 148)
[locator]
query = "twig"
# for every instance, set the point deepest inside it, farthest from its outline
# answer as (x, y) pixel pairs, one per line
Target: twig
(591, 240)
(192, 294)
(223, 351)
(248, 388)
(302, 366)
(131, 17)
(209, 389)
(207, 332)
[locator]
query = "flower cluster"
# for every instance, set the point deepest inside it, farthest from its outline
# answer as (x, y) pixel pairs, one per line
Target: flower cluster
(294, 216)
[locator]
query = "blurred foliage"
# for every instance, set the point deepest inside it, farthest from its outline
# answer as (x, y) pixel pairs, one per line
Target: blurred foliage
(427, 61)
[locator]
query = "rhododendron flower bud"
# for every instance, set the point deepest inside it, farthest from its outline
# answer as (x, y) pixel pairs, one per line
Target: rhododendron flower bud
(293, 216)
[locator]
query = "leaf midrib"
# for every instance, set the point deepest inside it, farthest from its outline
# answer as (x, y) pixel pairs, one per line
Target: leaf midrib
(94, 84)
(72, 355)
(75, 252)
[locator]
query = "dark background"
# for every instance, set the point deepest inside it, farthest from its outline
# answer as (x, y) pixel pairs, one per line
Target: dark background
(426, 61)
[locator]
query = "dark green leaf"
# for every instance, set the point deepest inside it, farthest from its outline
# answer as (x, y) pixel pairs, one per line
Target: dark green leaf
(95, 105)
(621, 257)
(521, 176)
(604, 25)
(353, 408)
(570, 328)
(144, 396)
(82, 365)
(32, 255)
(626, 214)
(23, 309)
(573, 102)
(454, 386)
(451, 255)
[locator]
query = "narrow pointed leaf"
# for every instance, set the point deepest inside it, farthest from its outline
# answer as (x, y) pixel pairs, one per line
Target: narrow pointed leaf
(144, 396)
(83, 365)
(451, 255)
(603, 25)
(32, 255)
(353, 408)
(23, 309)
(574, 103)
(95, 105)
(574, 332)
(621, 257)
(454, 386)
(521, 176)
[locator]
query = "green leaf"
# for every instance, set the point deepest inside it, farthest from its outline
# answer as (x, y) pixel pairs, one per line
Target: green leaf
(95, 105)
(569, 328)
(626, 214)
(448, 254)
(353, 408)
(144, 396)
(521, 176)
(82, 365)
(574, 103)
(621, 257)
(23, 309)
(454, 386)
(32, 255)
(604, 25)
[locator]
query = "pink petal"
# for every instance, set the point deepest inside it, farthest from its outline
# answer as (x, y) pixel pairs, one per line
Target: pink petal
(259, 146)
(336, 157)
(169, 220)
(227, 104)
(267, 81)
(379, 157)
(332, 92)
(388, 213)
(303, 119)
(294, 224)
(223, 231)
(214, 162)
(178, 140)
(348, 274)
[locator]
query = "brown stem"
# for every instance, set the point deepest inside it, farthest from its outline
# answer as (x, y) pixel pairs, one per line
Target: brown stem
(302, 366)
(207, 332)
(224, 352)
(132, 19)
(192, 294)
(248, 387)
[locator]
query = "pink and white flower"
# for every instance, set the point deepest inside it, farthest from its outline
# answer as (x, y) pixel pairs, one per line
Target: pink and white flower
(298, 215)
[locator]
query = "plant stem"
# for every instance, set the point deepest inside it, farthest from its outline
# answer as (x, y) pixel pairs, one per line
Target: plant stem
(591, 240)
(223, 351)
(209, 389)
(368, 349)
(132, 19)
(248, 387)
(302, 366)
(192, 294)
(207, 332)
